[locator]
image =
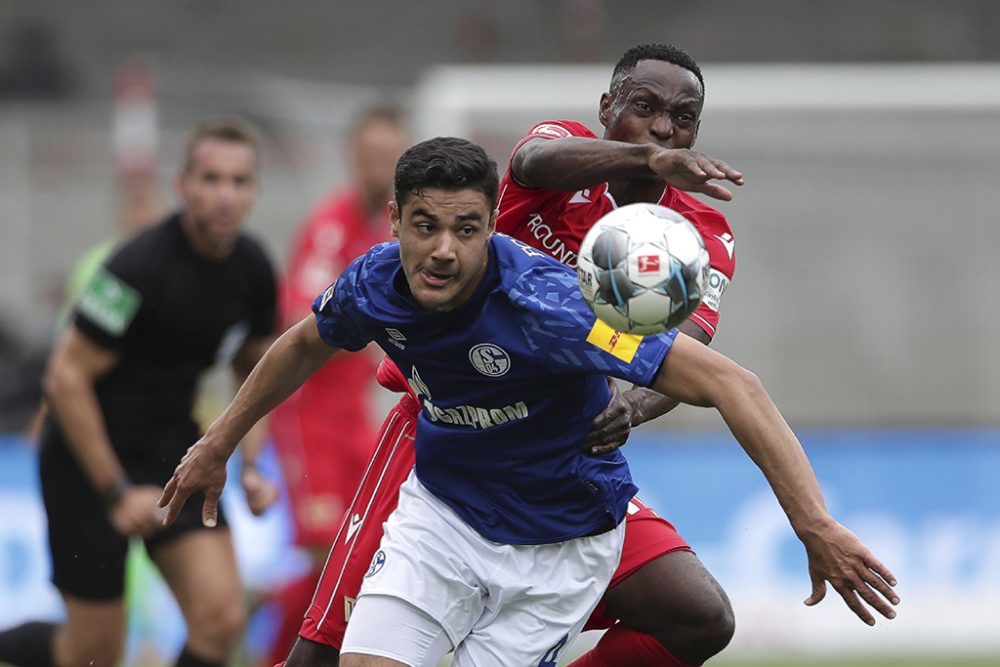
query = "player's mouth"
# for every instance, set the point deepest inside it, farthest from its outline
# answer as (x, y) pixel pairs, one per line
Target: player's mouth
(434, 279)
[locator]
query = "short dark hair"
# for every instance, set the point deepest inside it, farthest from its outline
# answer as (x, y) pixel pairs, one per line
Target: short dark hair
(665, 52)
(232, 129)
(448, 163)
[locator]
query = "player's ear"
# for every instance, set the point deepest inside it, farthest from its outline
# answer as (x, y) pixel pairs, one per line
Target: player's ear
(394, 218)
(493, 222)
(604, 109)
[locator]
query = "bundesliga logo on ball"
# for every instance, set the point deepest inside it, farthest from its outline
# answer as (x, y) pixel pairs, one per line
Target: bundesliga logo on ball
(643, 268)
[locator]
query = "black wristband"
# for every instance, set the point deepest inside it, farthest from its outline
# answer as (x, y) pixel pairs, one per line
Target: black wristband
(112, 494)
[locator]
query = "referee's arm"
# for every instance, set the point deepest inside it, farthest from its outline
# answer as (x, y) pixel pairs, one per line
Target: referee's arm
(75, 366)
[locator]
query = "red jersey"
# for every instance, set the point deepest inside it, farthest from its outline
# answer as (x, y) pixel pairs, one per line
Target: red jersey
(556, 221)
(339, 229)
(331, 411)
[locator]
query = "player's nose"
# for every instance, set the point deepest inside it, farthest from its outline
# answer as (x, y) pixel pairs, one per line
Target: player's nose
(444, 249)
(661, 126)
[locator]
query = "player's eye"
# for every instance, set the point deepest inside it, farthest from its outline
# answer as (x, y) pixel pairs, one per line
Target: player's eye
(644, 107)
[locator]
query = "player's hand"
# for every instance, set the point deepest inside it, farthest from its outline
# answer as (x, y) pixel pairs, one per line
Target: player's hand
(611, 428)
(838, 556)
(136, 512)
(261, 492)
(201, 469)
(690, 170)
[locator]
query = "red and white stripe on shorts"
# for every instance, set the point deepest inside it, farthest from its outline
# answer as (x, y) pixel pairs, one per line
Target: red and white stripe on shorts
(361, 530)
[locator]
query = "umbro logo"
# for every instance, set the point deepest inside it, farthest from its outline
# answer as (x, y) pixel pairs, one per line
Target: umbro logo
(580, 197)
(396, 337)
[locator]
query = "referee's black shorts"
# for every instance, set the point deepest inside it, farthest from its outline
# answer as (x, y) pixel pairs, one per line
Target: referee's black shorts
(88, 554)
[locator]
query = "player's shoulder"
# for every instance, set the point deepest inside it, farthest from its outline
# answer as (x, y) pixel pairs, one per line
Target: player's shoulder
(515, 255)
(710, 223)
(376, 266)
(143, 254)
(552, 129)
(560, 129)
(521, 264)
(703, 216)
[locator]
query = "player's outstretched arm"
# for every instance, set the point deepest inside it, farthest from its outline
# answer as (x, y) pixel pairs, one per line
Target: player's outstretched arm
(574, 163)
(695, 374)
(296, 355)
(261, 493)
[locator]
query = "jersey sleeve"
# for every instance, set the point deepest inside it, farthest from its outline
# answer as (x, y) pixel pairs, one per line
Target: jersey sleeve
(338, 320)
(562, 330)
(554, 129)
(112, 299)
(722, 267)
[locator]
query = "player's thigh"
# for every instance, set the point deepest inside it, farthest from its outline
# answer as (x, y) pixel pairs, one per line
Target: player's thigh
(673, 589)
(361, 532)
(538, 604)
(659, 579)
(200, 568)
(395, 631)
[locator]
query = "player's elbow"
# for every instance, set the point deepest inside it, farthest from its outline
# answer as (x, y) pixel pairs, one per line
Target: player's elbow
(61, 382)
(733, 382)
(743, 384)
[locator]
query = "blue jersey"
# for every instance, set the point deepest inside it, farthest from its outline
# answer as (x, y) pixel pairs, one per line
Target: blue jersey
(510, 383)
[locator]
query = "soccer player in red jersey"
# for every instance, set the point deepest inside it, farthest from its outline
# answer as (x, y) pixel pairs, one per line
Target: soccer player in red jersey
(560, 181)
(324, 433)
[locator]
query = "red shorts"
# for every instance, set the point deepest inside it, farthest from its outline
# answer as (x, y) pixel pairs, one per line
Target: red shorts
(647, 536)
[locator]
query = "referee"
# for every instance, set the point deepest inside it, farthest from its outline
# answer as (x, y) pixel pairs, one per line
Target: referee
(182, 296)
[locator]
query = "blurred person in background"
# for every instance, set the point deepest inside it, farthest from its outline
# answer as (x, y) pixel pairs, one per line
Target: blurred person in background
(325, 432)
(189, 292)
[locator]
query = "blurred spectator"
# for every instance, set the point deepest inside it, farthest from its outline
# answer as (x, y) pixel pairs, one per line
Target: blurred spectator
(326, 431)
(31, 66)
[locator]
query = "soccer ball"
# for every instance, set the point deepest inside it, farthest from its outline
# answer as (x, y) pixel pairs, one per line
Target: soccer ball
(643, 268)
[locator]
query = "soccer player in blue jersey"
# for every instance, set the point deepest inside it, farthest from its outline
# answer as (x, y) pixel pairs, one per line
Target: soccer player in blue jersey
(507, 531)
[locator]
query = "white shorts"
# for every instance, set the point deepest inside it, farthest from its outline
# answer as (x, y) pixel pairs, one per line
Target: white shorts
(498, 604)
